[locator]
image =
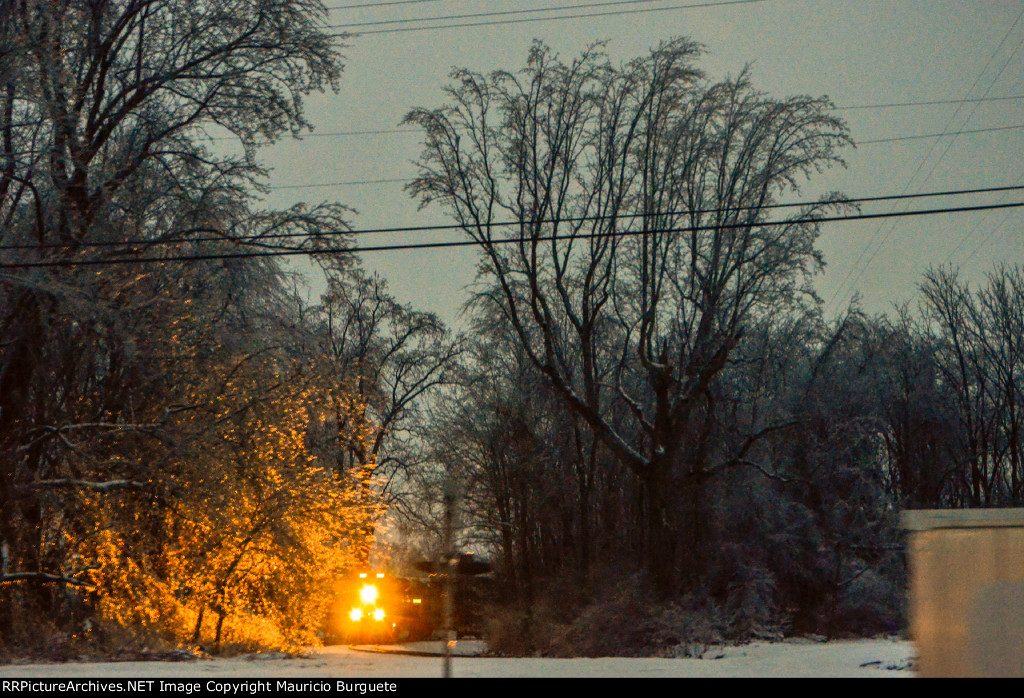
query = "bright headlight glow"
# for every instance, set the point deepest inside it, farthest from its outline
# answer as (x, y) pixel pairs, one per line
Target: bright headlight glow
(368, 594)
(355, 614)
(378, 614)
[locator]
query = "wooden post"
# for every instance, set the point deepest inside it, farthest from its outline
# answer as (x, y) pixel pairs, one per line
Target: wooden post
(449, 568)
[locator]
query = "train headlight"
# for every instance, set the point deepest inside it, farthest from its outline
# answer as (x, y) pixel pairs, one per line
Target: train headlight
(378, 614)
(368, 594)
(356, 614)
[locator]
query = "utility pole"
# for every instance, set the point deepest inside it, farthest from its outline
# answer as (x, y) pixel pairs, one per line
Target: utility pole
(449, 588)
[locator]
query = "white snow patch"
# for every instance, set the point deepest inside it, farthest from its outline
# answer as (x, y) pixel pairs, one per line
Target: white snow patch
(847, 658)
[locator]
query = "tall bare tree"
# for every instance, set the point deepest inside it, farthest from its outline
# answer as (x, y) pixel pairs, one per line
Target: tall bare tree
(624, 216)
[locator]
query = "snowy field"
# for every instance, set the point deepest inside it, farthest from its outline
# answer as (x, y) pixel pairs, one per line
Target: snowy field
(854, 658)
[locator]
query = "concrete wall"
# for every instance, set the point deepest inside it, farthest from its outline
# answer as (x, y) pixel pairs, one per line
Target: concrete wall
(967, 591)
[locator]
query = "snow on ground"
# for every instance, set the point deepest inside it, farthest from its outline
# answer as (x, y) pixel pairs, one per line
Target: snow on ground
(848, 658)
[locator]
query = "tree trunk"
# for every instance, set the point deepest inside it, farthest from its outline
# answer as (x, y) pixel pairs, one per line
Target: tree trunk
(221, 615)
(661, 540)
(197, 632)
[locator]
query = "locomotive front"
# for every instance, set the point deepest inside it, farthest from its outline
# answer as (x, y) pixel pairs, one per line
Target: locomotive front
(376, 608)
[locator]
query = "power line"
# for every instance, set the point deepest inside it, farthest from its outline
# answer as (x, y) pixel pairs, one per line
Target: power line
(325, 134)
(988, 237)
(377, 4)
(927, 103)
(608, 13)
(392, 180)
(954, 135)
(374, 132)
(873, 141)
(412, 131)
(258, 238)
(503, 13)
(941, 134)
(351, 182)
(949, 145)
(963, 240)
(854, 269)
(467, 243)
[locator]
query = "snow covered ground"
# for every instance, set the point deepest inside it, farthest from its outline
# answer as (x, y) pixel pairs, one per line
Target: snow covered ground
(797, 658)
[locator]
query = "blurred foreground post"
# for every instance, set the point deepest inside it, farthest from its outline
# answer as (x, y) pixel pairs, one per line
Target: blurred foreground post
(967, 591)
(449, 573)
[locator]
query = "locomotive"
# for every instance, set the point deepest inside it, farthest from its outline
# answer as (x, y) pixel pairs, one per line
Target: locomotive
(374, 607)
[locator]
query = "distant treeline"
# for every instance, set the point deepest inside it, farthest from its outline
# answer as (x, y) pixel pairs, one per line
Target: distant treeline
(660, 435)
(803, 451)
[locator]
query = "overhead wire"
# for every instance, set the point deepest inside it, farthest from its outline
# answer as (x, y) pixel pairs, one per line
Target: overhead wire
(988, 237)
(411, 131)
(474, 242)
(393, 180)
(632, 11)
(873, 141)
(377, 4)
(497, 13)
(842, 107)
(259, 238)
(347, 183)
(607, 13)
(941, 134)
(949, 145)
(977, 226)
(974, 110)
(927, 103)
(871, 241)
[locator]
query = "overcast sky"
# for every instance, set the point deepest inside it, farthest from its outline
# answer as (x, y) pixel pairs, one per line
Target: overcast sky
(864, 52)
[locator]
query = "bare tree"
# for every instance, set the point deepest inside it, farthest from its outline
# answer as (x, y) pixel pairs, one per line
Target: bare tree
(978, 336)
(623, 216)
(917, 411)
(1002, 305)
(384, 361)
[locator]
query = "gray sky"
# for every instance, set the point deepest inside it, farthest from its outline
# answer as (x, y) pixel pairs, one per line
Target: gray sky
(860, 52)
